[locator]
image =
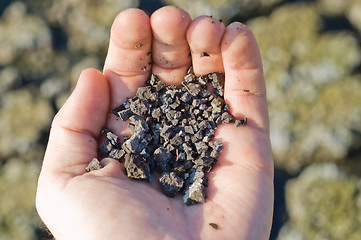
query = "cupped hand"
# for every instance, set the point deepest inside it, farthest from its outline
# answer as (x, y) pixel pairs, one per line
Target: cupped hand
(105, 204)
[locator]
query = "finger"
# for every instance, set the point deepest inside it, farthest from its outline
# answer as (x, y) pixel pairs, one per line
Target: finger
(72, 142)
(204, 36)
(245, 89)
(128, 62)
(170, 50)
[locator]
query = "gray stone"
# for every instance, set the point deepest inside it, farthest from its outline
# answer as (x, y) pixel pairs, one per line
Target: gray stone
(160, 86)
(139, 107)
(177, 140)
(189, 129)
(189, 78)
(113, 139)
(201, 147)
(161, 157)
(116, 154)
(240, 122)
(136, 167)
(217, 105)
(105, 148)
(217, 82)
(141, 126)
(170, 183)
(124, 114)
(195, 193)
(186, 97)
(145, 93)
(135, 144)
(204, 160)
(214, 154)
(156, 113)
(216, 145)
(227, 117)
(94, 165)
(204, 54)
(193, 88)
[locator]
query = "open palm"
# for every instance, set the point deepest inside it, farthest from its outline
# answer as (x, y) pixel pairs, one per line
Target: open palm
(105, 204)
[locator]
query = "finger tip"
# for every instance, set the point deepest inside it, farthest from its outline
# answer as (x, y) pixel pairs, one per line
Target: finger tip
(237, 31)
(135, 23)
(91, 73)
(204, 36)
(239, 47)
(168, 11)
(169, 24)
(96, 83)
(204, 29)
(132, 13)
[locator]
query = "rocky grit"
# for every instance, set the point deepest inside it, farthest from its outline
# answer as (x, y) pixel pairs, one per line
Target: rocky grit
(172, 128)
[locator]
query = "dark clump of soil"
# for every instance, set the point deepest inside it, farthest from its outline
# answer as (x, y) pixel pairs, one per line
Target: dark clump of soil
(172, 128)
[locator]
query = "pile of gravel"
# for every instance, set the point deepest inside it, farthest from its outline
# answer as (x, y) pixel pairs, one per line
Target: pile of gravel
(172, 128)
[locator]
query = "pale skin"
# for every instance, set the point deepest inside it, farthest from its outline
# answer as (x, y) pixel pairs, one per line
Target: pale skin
(105, 204)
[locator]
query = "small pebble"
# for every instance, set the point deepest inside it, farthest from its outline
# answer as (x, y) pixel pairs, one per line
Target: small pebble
(214, 225)
(94, 165)
(204, 54)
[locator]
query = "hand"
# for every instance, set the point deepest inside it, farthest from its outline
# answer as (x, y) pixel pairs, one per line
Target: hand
(105, 204)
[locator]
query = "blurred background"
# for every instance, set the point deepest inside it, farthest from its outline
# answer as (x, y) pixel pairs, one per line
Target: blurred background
(311, 55)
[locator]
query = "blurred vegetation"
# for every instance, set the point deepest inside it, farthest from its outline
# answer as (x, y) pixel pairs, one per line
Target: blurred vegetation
(311, 55)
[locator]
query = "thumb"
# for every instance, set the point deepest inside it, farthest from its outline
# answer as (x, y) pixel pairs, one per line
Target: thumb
(75, 128)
